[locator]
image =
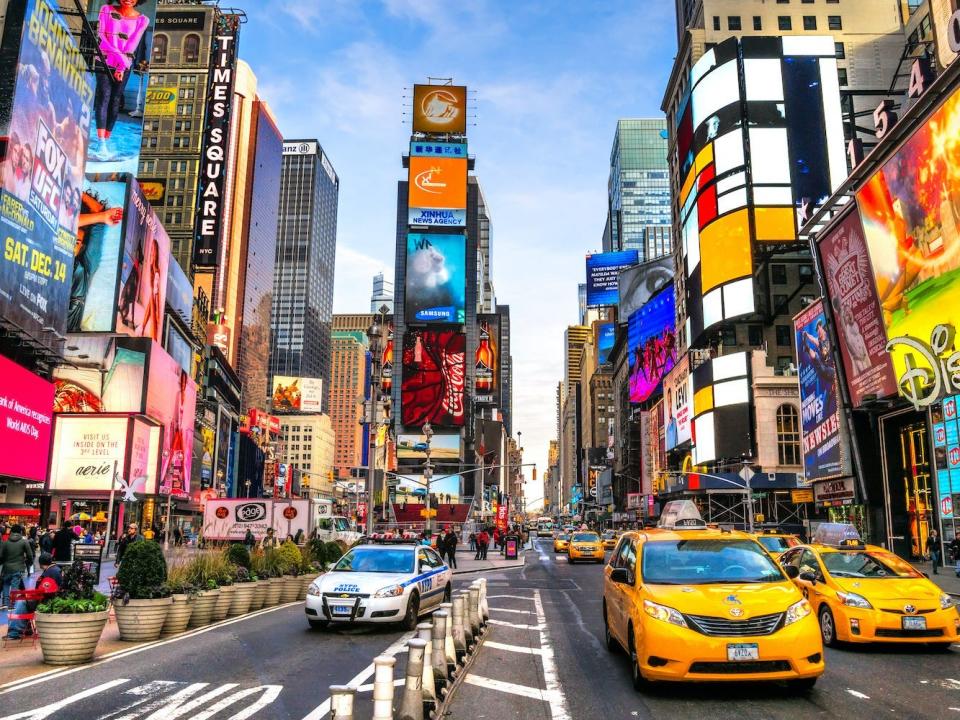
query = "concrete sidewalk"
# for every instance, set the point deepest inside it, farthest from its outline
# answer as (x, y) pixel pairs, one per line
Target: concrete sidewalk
(946, 578)
(495, 561)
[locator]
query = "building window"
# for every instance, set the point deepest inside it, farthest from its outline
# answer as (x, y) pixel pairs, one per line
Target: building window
(716, 22)
(191, 48)
(809, 22)
(757, 22)
(842, 76)
(755, 335)
(841, 51)
(733, 22)
(778, 274)
(186, 93)
(806, 274)
(784, 22)
(181, 142)
(788, 435)
(783, 2)
(160, 44)
(779, 304)
(783, 335)
(834, 22)
(729, 336)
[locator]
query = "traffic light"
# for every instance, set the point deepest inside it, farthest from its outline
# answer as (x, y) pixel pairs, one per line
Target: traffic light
(534, 473)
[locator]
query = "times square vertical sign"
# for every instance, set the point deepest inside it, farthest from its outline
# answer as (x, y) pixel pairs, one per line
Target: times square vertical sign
(216, 138)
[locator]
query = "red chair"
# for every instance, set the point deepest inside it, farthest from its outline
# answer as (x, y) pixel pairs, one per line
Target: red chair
(28, 617)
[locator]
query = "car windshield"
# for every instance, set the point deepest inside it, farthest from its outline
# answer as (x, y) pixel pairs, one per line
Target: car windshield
(776, 544)
(563, 536)
(702, 562)
(867, 565)
(392, 560)
(609, 535)
(586, 537)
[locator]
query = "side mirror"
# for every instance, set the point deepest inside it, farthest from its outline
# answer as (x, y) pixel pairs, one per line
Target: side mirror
(792, 571)
(621, 576)
(808, 577)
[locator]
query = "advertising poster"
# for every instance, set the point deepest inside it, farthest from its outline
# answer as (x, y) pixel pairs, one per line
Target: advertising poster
(413, 489)
(125, 37)
(443, 447)
(160, 101)
(486, 374)
(856, 313)
(180, 292)
(911, 218)
(637, 284)
(85, 450)
(229, 519)
(722, 424)
(946, 453)
(678, 404)
(142, 463)
(104, 374)
(26, 402)
(652, 344)
(603, 276)
(436, 278)
(45, 119)
(440, 109)
(434, 378)
(606, 336)
(171, 400)
(946, 25)
(820, 413)
(295, 394)
(438, 183)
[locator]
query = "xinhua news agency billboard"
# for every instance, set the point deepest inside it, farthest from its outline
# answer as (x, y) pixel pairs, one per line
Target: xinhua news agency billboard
(603, 276)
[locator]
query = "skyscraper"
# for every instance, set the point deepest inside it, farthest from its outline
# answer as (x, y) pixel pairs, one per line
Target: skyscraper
(638, 190)
(382, 294)
(306, 251)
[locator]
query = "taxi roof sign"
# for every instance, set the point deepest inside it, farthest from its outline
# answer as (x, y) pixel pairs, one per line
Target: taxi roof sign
(679, 514)
(836, 534)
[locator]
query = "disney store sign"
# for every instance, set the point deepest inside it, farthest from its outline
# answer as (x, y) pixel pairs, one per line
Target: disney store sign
(932, 370)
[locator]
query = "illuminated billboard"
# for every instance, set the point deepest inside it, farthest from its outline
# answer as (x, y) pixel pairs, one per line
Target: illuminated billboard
(759, 142)
(652, 343)
(603, 275)
(910, 210)
(443, 447)
(104, 374)
(819, 395)
(434, 378)
(125, 38)
(638, 283)
(436, 278)
(605, 334)
(425, 148)
(856, 311)
(44, 120)
(171, 400)
(946, 26)
(678, 404)
(722, 398)
(413, 489)
(297, 394)
(26, 410)
(437, 183)
(440, 109)
(486, 374)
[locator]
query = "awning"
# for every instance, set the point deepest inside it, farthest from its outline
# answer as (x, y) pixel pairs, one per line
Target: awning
(11, 510)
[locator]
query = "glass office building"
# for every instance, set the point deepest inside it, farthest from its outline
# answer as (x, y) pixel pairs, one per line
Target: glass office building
(639, 189)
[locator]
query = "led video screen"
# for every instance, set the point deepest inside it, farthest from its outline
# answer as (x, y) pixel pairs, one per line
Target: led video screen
(436, 278)
(440, 109)
(652, 342)
(603, 274)
(722, 398)
(437, 183)
(434, 378)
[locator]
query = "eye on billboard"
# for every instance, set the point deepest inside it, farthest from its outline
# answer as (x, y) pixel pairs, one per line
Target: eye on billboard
(434, 378)
(678, 404)
(437, 183)
(606, 335)
(125, 38)
(638, 283)
(443, 447)
(910, 210)
(297, 394)
(603, 273)
(722, 398)
(45, 118)
(26, 402)
(652, 342)
(436, 278)
(486, 374)
(440, 109)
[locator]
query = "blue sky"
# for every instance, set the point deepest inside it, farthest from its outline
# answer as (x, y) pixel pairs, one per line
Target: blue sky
(548, 81)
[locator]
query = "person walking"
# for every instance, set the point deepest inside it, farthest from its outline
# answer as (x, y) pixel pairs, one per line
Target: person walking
(34, 540)
(249, 540)
(269, 540)
(16, 558)
(46, 542)
(483, 539)
(129, 538)
(933, 547)
(450, 545)
(63, 543)
(48, 582)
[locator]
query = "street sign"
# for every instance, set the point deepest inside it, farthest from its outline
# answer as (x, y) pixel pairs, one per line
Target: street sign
(432, 512)
(593, 491)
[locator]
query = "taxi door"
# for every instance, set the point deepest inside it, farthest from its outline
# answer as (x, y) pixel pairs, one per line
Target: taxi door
(811, 576)
(618, 597)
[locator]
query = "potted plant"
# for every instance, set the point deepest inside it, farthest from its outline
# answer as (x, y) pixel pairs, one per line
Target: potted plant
(141, 600)
(260, 580)
(313, 564)
(183, 592)
(226, 576)
(70, 623)
(273, 572)
(203, 576)
(290, 559)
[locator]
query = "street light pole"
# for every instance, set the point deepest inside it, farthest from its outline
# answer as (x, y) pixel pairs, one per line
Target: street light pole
(427, 476)
(375, 335)
(747, 474)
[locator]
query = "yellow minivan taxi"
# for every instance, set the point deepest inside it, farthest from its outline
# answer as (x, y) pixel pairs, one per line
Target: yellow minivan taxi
(585, 545)
(561, 542)
(610, 539)
(777, 543)
(864, 593)
(695, 604)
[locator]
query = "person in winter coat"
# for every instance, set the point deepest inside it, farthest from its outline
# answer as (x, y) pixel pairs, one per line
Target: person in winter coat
(249, 540)
(63, 543)
(46, 542)
(483, 541)
(48, 582)
(131, 536)
(450, 546)
(16, 558)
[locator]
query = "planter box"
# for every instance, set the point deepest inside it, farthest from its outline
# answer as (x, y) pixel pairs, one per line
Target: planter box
(291, 588)
(203, 605)
(274, 587)
(259, 595)
(242, 595)
(178, 616)
(70, 639)
(142, 620)
(222, 605)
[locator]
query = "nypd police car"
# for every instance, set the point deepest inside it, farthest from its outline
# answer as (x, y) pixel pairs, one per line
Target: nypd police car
(385, 582)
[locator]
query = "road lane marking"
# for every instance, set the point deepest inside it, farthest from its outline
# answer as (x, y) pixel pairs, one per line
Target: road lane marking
(513, 597)
(513, 648)
(518, 626)
(512, 688)
(399, 682)
(508, 610)
(558, 705)
(48, 710)
(858, 695)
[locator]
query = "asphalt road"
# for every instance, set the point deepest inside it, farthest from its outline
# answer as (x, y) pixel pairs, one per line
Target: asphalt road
(555, 666)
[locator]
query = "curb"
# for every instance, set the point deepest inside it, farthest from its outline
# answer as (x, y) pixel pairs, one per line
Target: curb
(489, 569)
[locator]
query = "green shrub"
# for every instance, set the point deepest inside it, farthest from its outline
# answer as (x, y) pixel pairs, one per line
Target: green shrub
(77, 593)
(272, 563)
(179, 579)
(71, 606)
(258, 567)
(334, 551)
(239, 555)
(143, 572)
(289, 558)
(205, 569)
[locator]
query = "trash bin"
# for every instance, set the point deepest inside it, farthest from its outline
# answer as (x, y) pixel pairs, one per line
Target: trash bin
(511, 547)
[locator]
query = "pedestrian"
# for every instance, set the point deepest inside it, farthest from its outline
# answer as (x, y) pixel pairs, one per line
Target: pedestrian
(483, 540)
(16, 558)
(34, 540)
(131, 536)
(450, 545)
(425, 538)
(177, 537)
(48, 582)
(933, 547)
(249, 540)
(63, 543)
(473, 542)
(269, 540)
(298, 538)
(46, 541)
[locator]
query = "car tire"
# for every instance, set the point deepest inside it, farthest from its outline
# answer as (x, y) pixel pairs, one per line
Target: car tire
(609, 639)
(802, 686)
(318, 624)
(570, 560)
(639, 681)
(940, 647)
(412, 616)
(828, 627)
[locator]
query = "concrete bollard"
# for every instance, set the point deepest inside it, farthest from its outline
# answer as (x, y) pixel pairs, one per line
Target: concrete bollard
(341, 702)
(442, 618)
(425, 633)
(439, 659)
(484, 607)
(411, 704)
(459, 635)
(475, 623)
(383, 687)
(448, 647)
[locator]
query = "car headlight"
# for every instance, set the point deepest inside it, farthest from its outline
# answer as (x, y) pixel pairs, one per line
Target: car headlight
(663, 613)
(389, 591)
(946, 602)
(314, 590)
(797, 611)
(853, 600)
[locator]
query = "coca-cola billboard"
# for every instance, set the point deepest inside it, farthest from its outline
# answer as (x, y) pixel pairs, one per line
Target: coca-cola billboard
(434, 378)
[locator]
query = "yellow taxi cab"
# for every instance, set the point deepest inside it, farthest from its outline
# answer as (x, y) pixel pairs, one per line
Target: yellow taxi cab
(585, 545)
(561, 542)
(690, 603)
(864, 593)
(775, 542)
(610, 539)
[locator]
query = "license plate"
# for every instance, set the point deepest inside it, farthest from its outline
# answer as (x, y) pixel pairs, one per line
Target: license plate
(743, 651)
(914, 623)
(341, 609)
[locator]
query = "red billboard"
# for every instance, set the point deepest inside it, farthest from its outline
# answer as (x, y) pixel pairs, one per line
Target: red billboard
(434, 378)
(26, 410)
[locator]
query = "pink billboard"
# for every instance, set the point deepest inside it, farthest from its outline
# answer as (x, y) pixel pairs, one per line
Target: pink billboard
(26, 412)
(171, 400)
